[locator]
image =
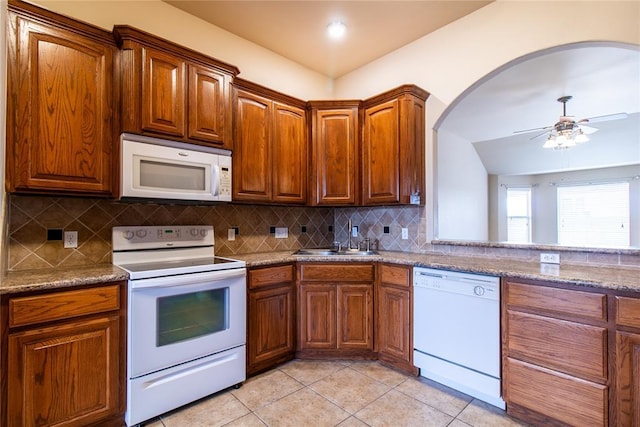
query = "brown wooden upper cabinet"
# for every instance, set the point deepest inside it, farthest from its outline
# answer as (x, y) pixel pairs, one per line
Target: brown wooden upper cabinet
(60, 104)
(270, 146)
(335, 151)
(169, 91)
(393, 138)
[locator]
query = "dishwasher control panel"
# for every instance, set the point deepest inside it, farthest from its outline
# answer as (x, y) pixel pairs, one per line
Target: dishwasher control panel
(470, 284)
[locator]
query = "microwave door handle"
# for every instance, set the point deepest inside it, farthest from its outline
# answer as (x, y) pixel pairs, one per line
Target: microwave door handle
(215, 180)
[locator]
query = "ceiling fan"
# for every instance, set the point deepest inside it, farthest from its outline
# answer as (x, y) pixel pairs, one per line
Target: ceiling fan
(568, 132)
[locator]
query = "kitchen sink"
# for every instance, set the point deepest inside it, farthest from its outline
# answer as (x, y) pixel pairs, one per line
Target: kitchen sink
(332, 252)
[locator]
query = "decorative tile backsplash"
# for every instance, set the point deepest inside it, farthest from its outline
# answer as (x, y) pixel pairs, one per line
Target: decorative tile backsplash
(371, 223)
(30, 217)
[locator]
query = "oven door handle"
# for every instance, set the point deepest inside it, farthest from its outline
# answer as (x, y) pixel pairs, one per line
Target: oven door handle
(188, 279)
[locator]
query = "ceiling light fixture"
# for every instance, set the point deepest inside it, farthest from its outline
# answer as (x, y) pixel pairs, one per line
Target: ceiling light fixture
(567, 132)
(336, 30)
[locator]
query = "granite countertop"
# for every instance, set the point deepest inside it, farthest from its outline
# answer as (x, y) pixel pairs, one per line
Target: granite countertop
(32, 280)
(604, 277)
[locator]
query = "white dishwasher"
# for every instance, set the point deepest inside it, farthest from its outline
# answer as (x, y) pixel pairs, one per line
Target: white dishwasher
(456, 331)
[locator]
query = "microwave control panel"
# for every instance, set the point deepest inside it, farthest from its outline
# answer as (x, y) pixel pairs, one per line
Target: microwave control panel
(225, 178)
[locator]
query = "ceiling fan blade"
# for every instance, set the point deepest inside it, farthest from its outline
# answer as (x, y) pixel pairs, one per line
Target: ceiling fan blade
(540, 134)
(588, 130)
(616, 116)
(531, 130)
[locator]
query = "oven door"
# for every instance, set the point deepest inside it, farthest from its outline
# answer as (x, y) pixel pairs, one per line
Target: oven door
(176, 319)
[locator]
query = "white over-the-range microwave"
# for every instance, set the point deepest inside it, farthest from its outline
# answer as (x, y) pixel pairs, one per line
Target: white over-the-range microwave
(152, 168)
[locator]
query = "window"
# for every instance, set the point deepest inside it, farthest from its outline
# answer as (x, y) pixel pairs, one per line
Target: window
(519, 215)
(594, 215)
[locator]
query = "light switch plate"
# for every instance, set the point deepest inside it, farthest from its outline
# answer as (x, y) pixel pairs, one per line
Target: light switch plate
(231, 234)
(70, 239)
(282, 232)
(405, 233)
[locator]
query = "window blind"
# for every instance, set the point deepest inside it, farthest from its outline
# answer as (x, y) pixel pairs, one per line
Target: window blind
(594, 214)
(519, 214)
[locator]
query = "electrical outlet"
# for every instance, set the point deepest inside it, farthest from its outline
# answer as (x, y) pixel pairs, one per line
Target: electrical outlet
(231, 234)
(354, 231)
(549, 258)
(70, 239)
(405, 233)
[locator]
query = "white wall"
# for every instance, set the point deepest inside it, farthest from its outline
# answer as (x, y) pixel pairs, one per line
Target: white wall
(462, 191)
(544, 199)
(159, 18)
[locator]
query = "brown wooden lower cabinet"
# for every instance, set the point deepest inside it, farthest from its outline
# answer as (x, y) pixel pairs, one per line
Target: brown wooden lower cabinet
(555, 354)
(336, 310)
(270, 317)
(394, 322)
(65, 363)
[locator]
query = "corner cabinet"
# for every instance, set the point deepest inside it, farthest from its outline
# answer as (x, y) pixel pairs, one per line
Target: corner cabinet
(393, 152)
(65, 362)
(394, 316)
(336, 310)
(555, 354)
(60, 105)
(270, 317)
(270, 146)
(169, 91)
(335, 148)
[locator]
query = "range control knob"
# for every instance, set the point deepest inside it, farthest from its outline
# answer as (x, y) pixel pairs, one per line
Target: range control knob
(204, 232)
(141, 233)
(194, 232)
(127, 234)
(478, 290)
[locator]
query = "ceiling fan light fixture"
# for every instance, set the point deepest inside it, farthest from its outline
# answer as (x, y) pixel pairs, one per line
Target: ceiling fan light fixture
(550, 142)
(336, 30)
(581, 137)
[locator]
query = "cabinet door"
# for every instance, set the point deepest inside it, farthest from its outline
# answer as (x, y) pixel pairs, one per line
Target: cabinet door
(163, 93)
(394, 323)
(289, 148)
(355, 317)
(59, 110)
(627, 405)
(334, 161)
(64, 375)
(270, 324)
(208, 115)
(317, 317)
(380, 154)
(251, 148)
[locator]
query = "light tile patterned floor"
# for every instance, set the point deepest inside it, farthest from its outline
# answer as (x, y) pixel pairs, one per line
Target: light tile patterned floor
(337, 393)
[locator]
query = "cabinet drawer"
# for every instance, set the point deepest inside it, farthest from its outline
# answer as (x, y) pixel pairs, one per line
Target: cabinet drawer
(563, 302)
(63, 305)
(336, 273)
(395, 275)
(262, 277)
(569, 347)
(628, 311)
(570, 400)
